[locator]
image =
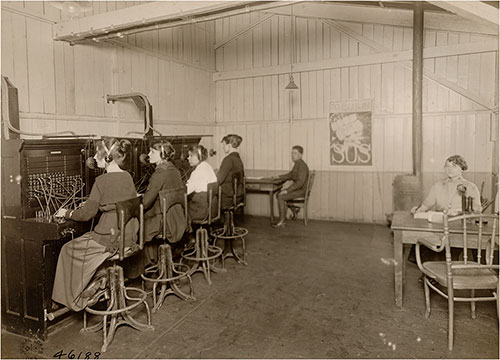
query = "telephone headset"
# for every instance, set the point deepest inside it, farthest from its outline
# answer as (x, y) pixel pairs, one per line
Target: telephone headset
(109, 157)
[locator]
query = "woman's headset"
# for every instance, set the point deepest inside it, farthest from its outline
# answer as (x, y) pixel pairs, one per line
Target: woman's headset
(109, 157)
(199, 153)
(167, 151)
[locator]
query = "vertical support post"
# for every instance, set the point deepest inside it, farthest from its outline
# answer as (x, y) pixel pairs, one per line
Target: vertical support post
(494, 138)
(418, 60)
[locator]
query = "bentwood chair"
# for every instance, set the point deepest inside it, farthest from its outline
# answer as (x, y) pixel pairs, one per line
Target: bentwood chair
(230, 233)
(166, 273)
(202, 253)
(467, 274)
(303, 202)
(116, 293)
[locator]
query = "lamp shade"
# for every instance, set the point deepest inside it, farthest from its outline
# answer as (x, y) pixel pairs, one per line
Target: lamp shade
(291, 84)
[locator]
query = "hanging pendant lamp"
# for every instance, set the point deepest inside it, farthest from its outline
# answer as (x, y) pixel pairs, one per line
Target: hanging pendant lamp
(291, 83)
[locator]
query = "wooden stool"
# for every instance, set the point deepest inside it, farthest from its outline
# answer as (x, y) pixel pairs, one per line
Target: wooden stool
(229, 233)
(169, 274)
(202, 252)
(116, 293)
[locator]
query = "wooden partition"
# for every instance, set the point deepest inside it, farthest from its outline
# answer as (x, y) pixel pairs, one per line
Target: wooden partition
(230, 76)
(340, 60)
(62, 87)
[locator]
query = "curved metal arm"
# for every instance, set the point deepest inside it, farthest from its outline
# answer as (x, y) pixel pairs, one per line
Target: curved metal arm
(6, 115)
(142, 102)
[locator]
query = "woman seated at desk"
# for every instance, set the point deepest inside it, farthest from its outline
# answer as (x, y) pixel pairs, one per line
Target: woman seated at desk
(165, 177)
(80, 258)
(231, 167)
(197, 188)
(447, 193)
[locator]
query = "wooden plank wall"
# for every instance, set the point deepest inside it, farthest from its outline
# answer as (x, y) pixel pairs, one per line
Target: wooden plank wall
(62, 87)
(258, 108)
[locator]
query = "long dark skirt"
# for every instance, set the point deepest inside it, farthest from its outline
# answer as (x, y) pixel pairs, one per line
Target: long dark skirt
(153, 223)
(198, 206)
(78, 261)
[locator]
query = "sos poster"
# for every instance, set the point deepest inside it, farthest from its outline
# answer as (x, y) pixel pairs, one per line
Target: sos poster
(351, 133)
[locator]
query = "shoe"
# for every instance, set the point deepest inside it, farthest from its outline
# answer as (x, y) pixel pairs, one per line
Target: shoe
(280, 224)
(94, 286)
(190, 243)
(295, 211)
(102, 294)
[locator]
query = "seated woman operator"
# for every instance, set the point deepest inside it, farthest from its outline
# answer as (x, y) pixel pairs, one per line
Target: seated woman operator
(446, 194)
(80, 258)
(230, 167)
(165, 177)
(202, 175)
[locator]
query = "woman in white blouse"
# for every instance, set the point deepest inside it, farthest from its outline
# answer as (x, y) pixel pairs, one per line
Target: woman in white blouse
(202, 175)
(446, 194)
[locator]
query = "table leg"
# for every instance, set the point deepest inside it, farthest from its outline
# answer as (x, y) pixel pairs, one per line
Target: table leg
(271, 204)
(406, 255)
(398, 268)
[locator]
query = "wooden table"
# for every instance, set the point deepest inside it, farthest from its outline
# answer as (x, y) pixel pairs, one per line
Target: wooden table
(408, 230)
(266, 185)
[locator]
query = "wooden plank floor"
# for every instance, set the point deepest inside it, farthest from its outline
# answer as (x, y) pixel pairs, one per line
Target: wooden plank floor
(322, 291)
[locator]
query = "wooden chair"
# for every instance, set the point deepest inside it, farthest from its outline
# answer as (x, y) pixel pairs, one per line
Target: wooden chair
(303, 202)
(202, 253)
(229, 233)
(465, 274)
(116, 293)
(169, 274)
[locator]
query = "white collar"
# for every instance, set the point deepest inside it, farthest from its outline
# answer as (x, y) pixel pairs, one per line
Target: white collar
(459, 178)
(113, 167)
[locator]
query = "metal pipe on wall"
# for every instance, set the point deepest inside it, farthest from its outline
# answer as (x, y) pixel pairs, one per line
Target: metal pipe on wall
(418, 61)
(142, 26)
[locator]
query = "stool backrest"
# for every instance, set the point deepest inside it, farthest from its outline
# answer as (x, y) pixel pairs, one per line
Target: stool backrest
(239, 179)
(169, 198)
(127, 210)
(213, 191)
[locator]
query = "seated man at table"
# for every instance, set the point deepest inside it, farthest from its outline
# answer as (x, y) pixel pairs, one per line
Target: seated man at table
(299, 176)
(447, 194)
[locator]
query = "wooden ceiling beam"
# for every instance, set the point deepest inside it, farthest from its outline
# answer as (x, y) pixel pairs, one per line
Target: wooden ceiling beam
(408, 64)
(139, 16)
(386, 16)
(378, 58)
(476, 11)
(242, 31)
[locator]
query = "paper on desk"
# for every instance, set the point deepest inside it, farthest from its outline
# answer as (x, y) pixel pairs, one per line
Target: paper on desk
(430, 216)
(255, 177)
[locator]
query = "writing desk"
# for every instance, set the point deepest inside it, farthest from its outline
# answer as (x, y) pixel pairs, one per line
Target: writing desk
(408, 230)
(266, 185)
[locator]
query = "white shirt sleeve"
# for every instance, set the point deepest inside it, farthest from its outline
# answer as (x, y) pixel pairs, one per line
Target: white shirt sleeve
(201, 176)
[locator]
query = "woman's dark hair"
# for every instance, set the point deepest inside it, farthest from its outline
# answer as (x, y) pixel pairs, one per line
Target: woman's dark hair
(200, 151)
(113, 149)
(233, 139)
(299, 148)
(458, 161)
(166, 149)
